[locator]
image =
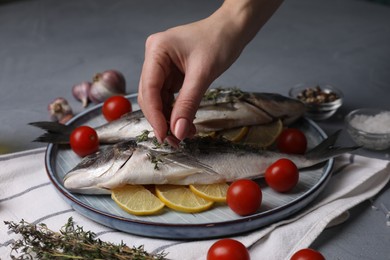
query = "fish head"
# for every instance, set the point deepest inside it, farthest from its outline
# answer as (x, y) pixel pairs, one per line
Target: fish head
(124, 128)
(98, 168)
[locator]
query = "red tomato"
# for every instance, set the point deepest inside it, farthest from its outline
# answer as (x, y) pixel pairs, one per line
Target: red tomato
(84, 141)
(116, 106)
(244, 197)
(292, 141)
(228, 249)
(307, 254)
(282, 175)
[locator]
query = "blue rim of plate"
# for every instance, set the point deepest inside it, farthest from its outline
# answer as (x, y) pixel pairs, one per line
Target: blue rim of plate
(186, 231)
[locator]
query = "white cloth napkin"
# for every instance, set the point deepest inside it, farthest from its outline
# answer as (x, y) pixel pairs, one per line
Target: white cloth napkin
(26, 193)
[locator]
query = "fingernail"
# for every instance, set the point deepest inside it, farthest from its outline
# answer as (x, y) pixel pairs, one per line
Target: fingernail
(181, 128)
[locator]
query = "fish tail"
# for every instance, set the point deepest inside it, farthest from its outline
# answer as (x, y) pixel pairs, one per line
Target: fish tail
(55, 132)
(327, 149)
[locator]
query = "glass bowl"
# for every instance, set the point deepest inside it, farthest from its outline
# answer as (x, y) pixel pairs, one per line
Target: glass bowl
(369, 127)
(321, 101)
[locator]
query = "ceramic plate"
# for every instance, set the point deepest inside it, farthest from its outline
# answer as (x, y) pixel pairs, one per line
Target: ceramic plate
(217, 222)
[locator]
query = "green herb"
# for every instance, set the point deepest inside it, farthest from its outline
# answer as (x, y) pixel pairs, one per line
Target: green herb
(143, 136)
(237, 93)
(155, 160)
(211, 94)
(228, 94)
(156, 143)
(71, 242)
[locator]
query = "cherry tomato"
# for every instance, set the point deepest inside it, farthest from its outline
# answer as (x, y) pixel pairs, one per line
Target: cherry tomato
(84, 140)
(292, 141)
(282, 175)
(116, 106)
(307, 254)
(228, 249)
(244, 197)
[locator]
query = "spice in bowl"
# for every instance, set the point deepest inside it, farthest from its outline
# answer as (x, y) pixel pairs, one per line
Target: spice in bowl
(321, 101)
(317, 95)
(370, 128)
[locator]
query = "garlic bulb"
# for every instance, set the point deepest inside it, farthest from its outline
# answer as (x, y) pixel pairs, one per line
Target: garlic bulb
(81, 91)
(107, 84)
(60, 110)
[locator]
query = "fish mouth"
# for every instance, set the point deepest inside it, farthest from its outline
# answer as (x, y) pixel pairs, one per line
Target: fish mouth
(95, 190)
(80, 182)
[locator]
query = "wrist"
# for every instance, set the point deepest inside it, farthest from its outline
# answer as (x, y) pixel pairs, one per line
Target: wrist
(246, 17)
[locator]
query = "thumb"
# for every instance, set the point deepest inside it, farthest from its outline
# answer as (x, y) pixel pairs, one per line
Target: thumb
(185, 107)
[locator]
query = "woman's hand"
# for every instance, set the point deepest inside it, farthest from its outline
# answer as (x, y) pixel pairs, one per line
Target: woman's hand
(188, 59)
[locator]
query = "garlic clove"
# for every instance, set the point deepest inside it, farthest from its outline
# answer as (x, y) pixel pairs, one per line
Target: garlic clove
(99, 92)
(60, 110)
(107, 84)
(81, 91)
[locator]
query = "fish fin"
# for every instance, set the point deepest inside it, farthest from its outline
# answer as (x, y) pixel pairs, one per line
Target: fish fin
(53, 127)
(55, 132)
(326, 149)
(53, 138)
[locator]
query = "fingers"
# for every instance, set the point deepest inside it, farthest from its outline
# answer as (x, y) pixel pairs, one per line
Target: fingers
(150, 92)
(187, 104)
(165, 71)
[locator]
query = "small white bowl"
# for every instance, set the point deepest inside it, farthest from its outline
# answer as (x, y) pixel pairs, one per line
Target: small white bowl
(378, 139)
(314, 109)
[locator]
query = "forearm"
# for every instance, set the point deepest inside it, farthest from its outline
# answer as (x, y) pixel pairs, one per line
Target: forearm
(246, 17)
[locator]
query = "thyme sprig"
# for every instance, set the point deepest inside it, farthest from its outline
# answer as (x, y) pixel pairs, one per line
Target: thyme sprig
(154, 159)
(144, 136)
(229, 94)
(71, 242)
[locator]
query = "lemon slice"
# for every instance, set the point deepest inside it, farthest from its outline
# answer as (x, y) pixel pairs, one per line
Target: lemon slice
(214, 192)
(211, 134)
(136, 200)
(234, 134)
(181, 198)
(263, 135)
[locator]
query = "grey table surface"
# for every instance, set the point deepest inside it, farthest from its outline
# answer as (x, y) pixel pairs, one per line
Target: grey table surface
(47, 46)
